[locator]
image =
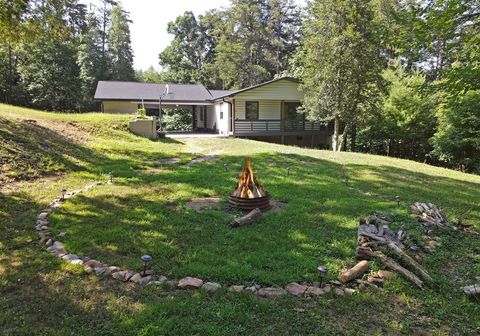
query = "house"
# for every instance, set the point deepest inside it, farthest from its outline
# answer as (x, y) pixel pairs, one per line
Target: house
(266, 111)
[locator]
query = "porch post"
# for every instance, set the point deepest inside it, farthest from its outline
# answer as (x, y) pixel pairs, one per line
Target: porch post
(233, 116)
(194, 117)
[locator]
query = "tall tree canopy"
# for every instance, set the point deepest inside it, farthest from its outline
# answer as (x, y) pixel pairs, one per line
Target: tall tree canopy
(342, 63)
(119, 43)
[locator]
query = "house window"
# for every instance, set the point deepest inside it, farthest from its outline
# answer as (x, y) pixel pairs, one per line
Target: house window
(251, 110)
(221, 115)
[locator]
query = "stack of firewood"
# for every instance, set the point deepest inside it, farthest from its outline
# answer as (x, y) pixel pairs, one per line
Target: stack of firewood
(374, 236)
(429, 214)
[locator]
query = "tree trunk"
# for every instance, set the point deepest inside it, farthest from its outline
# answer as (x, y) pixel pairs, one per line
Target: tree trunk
(336, 134)
(353, 140)
(341, 145)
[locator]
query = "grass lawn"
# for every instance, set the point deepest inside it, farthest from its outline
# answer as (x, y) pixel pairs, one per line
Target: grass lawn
(144, 212)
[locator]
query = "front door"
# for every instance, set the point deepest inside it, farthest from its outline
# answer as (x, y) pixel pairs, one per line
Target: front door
(294, 120)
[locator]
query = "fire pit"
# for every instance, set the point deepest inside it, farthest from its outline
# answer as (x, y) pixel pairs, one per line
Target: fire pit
(249, 194)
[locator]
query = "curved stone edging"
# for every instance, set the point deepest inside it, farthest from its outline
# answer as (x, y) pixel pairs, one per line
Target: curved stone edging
(57, 248)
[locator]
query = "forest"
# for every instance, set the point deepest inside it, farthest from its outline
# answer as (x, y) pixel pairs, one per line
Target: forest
(393, 77)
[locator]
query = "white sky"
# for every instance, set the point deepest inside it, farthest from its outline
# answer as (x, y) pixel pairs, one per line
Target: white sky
(150, 19)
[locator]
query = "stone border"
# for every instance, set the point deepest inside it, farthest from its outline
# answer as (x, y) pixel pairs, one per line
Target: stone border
(57, 248)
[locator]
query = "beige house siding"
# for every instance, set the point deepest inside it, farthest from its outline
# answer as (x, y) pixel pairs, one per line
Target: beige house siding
(269, 99)
(119, 107)
(280, 90)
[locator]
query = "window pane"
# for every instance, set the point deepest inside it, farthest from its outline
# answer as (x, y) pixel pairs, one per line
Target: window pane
(251, 110)
(291, 111)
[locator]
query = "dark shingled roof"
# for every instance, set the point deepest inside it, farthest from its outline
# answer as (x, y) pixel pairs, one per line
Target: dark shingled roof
(116, 90)
(220, 93)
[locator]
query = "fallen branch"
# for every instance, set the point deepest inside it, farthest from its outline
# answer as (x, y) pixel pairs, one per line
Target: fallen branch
(409, 260)
(397, 268)
(247, 219)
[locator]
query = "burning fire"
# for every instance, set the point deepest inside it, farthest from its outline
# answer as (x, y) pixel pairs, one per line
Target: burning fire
(247, 187)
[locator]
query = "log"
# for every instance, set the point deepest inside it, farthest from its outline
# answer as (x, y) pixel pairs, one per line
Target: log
(399, 269)
(473, 290)
(363, 253)
(247, 219)
(355, 271)
(410, 261)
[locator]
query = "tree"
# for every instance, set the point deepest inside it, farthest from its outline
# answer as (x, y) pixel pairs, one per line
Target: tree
(120, 49)
(90, 60)
(457, 141)
(190, 56)
(12, 28)
(257, 40)
(342, 64)
(405, 121)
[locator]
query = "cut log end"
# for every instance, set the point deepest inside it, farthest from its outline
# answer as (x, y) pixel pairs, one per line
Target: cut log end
(355, 272)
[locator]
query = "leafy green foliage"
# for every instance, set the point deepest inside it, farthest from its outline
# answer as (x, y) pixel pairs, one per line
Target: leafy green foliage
(406, 120)
(177, 119)
(119, 43)
(341, 63)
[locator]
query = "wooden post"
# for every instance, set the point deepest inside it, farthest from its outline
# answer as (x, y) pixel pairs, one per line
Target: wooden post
(313, 141)
(194, 117)
(233, 116)
(282, 116)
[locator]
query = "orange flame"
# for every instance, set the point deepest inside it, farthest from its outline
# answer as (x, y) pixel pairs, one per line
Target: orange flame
(247, 187)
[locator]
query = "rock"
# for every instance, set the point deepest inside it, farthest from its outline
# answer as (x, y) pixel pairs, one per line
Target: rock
(327, 288)
(236, 288)
(136, 278)
(339, 291)
(93, 263)
(271, 292)
(316, 284)
(70, 257)
(42, 216)
(335, 282)
(252, 289)
(62, 234)
(299, 310)
(296, 289)
(385, 274)
(100, 270)
(57, 251)
(314, 291)
(58, 244)
(350, 291)
(211, 286)
(145, 280)
(122, 275)
(190, 282)
(76, 262)
(49, 242)
(88, 269)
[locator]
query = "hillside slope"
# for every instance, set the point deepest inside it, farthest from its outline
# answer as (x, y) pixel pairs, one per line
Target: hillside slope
(144, 212)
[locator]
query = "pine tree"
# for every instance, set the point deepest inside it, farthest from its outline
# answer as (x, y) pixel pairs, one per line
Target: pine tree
(119, 43)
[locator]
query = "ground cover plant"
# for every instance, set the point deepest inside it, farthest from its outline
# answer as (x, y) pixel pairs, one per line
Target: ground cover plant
(144, 212)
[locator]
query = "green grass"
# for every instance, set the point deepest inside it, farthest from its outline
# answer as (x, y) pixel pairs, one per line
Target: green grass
(117, 223)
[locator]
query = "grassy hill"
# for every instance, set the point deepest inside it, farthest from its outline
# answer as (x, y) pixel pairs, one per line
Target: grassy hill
(144, 212)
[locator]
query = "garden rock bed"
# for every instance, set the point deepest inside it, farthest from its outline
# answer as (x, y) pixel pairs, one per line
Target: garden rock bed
(299, 289)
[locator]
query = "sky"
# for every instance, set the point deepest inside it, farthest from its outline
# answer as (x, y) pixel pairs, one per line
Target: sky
(149, 28)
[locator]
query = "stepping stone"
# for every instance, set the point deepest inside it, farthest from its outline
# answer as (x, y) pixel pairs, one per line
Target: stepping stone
(122, 275)
(236, 288)
(296, 289)
(271, 292)
(42, 216)
(211, 286)
(190, 282)
(314, 291)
